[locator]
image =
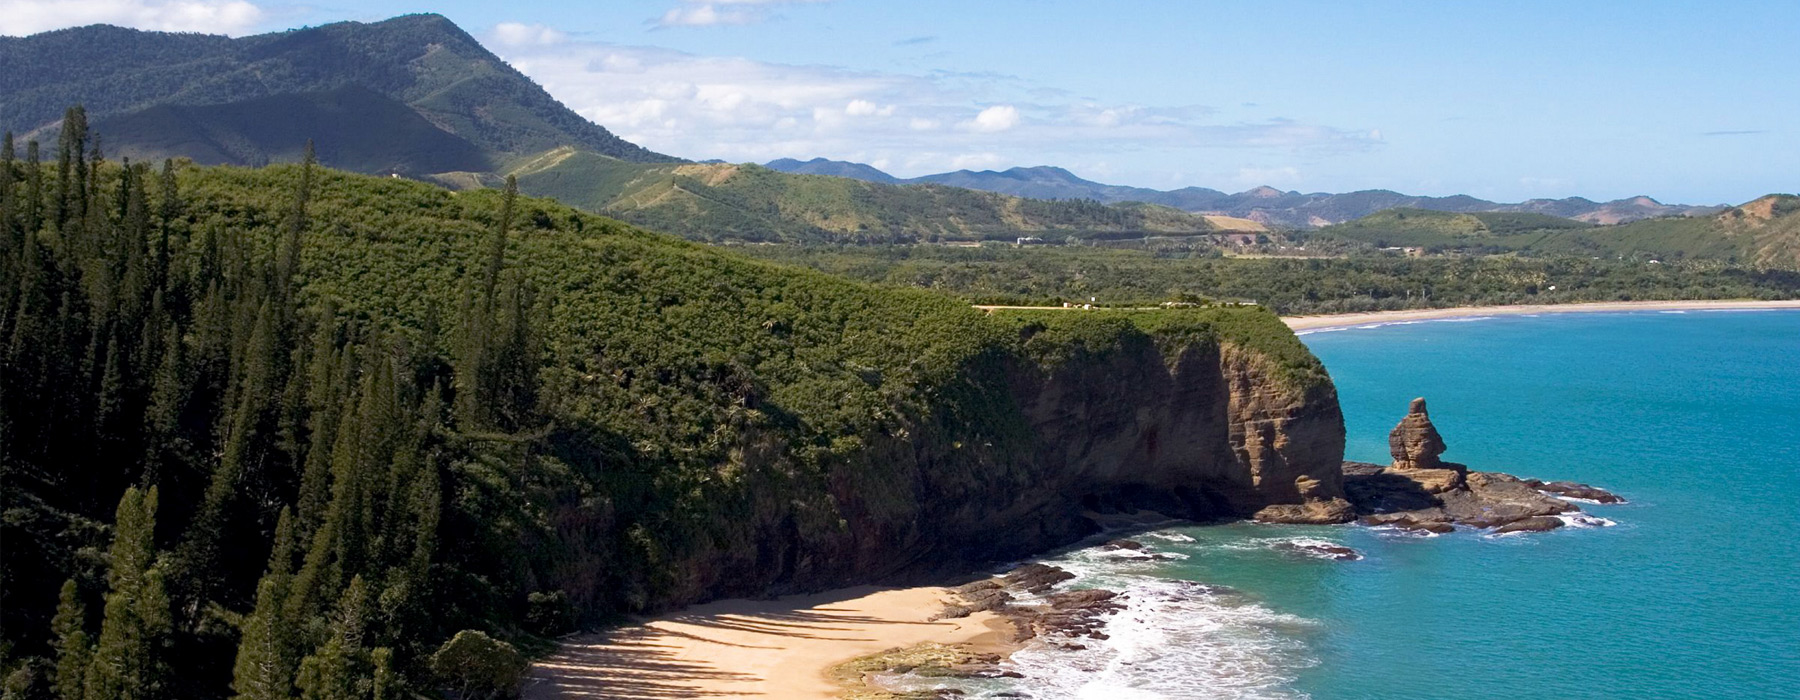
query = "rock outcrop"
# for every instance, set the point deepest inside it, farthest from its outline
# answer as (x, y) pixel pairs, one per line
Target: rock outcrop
(1415, 443)
(1421, 492)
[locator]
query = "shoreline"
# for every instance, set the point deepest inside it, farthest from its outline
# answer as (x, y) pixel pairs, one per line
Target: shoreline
(781, 648)
(1351, 320)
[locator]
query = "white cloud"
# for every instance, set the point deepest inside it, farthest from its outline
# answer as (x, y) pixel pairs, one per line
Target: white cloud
(865, 108)
(706, 16)
(709, 13)
(517, 34)
(234, 17)
(740, 109)
(993, 119)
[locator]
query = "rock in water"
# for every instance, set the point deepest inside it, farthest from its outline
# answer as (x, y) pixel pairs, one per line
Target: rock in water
(1415, 442)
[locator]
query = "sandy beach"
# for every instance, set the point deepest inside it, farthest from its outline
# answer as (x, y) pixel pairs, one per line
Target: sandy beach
(751, 648)
(1312, 323)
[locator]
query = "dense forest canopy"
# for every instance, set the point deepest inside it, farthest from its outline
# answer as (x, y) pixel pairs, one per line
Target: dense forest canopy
(292, 432)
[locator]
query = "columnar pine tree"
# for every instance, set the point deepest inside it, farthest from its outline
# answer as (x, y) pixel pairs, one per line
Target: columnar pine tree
(74, 651)
(128, 661)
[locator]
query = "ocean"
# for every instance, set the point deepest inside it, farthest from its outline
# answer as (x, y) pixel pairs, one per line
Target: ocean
(1691, 590)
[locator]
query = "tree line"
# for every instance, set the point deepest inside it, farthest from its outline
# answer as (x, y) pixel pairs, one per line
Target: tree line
(214, 488)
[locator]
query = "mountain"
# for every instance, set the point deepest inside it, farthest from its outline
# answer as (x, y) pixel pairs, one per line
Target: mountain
(1266, 205)
(1763, 232)
(834, 168)
(375, 417)
(416, 96)
(277, 128)
(723, 202)
(245, 100)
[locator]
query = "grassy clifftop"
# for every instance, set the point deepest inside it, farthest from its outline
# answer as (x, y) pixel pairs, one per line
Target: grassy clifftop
(1056, 335)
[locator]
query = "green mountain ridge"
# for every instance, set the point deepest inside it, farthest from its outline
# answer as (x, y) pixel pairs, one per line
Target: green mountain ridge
(726, 202)
(1762, 232)
(1267, 205)
(424, 61)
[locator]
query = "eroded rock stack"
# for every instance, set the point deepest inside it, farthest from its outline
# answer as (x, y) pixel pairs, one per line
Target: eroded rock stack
(1415, 442)
(1416, 446)
(1421, 491)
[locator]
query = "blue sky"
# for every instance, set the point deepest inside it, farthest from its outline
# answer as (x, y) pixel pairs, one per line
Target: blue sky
(1683, 101)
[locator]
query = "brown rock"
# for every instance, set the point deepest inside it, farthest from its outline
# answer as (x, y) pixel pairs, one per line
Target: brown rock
(1322, 551)
(1434, 480)
(1539, 523)
(1415, 443)
(1570, 489)
(1036, 578)
(1081, 600)
(1328, 511)
(1133, 545)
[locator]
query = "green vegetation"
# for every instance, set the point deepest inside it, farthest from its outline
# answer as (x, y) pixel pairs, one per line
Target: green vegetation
(751, 203)
(1425, 228)
(1054, 275)
(1762, 232)
(283, 432)
(423, 61)
(1057, 336)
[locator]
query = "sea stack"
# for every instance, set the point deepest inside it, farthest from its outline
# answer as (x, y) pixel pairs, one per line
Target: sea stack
(1416, 445)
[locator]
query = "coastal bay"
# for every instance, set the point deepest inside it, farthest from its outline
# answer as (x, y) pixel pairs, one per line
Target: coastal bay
(1339, 321)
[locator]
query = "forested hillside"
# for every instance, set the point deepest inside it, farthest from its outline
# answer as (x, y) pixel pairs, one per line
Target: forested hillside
(423, 61)
(1053, 275)
(719, 202)
(280, 432)
(1758, 233)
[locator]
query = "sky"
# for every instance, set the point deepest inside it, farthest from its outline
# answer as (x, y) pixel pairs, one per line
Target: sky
(1692, 102)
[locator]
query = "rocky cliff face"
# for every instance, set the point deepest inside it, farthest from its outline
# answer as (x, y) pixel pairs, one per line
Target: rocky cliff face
(1203, 431)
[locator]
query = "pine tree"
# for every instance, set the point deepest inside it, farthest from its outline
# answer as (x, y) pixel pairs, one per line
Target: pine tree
(74, 651)
(265, 665)
(128, 660)
(71, 169)
(339, 668)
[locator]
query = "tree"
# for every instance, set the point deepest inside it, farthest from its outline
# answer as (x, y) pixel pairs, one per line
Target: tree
(265, 665)
(478, 667)
(128, 661)
(74, 651)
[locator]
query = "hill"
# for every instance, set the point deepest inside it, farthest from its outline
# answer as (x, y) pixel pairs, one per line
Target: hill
(834, 168)
(277, 128)
(722, 202)
(1265, 205)
(425, 62)
(347, 418)
(1762, 232)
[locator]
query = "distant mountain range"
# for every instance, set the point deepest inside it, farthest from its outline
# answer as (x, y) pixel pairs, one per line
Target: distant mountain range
(416, 96)
(1266, 205)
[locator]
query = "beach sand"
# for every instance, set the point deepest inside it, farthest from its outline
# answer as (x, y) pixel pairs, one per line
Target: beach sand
(1307, 323)
(752, 648)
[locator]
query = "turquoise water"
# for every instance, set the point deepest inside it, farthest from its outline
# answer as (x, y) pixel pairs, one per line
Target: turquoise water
(1691, 593)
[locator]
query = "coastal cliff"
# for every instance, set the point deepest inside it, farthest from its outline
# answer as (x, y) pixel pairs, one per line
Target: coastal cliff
(1083, 417)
